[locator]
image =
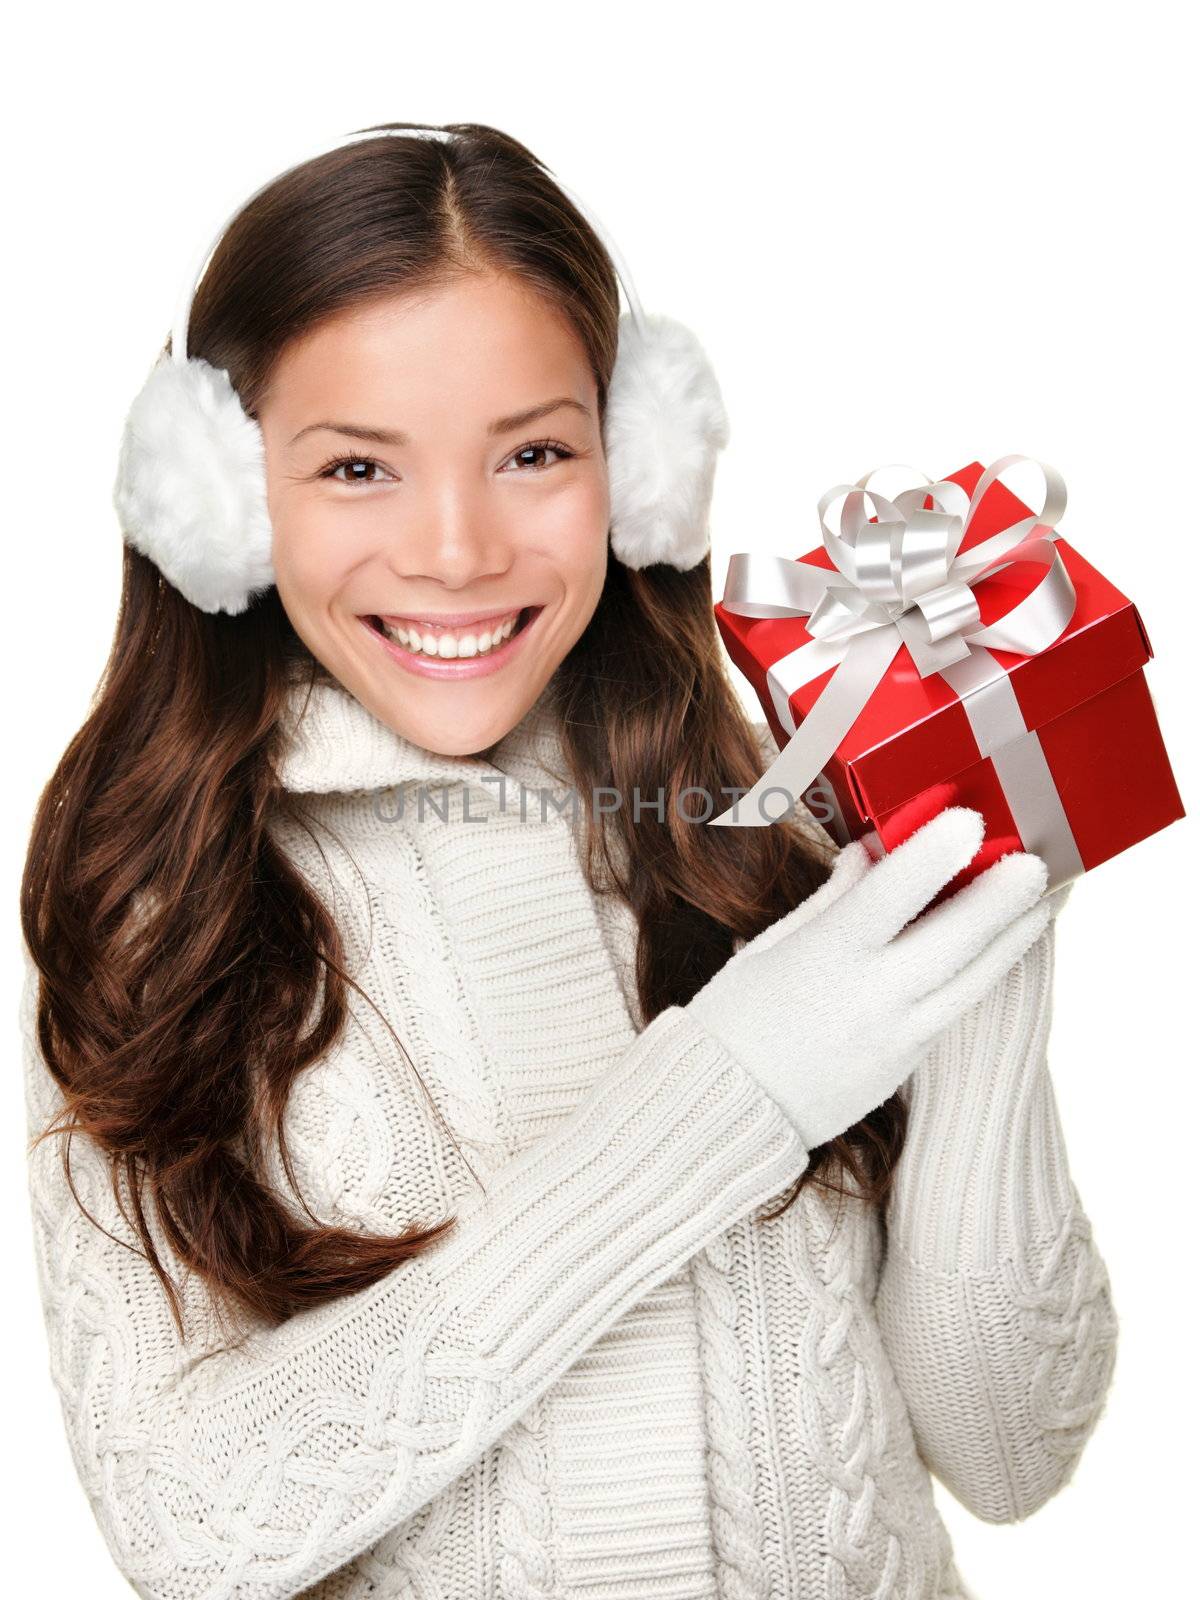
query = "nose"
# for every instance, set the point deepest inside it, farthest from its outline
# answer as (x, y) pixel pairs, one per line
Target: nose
(455, 540)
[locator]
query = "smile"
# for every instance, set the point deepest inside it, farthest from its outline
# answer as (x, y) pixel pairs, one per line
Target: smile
(435, 650)
(447, 643)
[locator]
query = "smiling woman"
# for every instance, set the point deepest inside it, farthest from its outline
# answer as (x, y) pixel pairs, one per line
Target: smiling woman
(452, 1209)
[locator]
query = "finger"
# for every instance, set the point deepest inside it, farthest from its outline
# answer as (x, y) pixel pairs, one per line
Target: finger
(851, 864)
(849, 867)
(930, 951)
(908, 877)
(938, 1010)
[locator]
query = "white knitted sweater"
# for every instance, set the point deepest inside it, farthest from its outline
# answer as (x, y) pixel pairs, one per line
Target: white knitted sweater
(609, 1380)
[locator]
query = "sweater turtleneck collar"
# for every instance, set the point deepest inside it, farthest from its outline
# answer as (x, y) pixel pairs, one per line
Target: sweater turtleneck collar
(333, 744)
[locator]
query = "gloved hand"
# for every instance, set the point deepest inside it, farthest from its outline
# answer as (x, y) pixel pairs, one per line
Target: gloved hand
(831, 1007)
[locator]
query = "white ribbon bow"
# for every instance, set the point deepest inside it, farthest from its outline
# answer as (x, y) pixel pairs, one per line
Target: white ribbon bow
(899, 580)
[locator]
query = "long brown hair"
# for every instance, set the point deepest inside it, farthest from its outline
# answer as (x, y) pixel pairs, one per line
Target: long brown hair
(188, 972)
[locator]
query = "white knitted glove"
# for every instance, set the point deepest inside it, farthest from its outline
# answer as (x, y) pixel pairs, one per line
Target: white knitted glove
(831, 1007)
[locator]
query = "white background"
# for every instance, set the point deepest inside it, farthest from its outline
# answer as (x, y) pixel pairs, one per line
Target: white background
(925, 233)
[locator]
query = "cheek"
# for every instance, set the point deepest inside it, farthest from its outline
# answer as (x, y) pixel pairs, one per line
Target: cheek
(568, 526)
(311, 520)
(311, 556)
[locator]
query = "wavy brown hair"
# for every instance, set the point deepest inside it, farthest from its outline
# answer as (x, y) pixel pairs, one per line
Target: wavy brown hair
(187, 971)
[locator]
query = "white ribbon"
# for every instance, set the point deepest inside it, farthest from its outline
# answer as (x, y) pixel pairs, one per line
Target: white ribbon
(899, 580)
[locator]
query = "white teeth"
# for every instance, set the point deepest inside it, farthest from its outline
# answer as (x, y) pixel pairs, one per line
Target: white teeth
(450, 643)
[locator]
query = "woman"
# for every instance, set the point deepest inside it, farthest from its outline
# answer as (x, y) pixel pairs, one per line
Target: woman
(472, 1193)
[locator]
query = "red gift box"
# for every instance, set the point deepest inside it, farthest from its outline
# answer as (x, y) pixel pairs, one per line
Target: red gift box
(1087, 775)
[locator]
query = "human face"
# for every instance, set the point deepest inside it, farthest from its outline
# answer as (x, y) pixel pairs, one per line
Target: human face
(462, 514)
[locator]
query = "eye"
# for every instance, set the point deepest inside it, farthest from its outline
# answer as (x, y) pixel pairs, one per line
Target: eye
(331, 469)
(367, 470)
(540, 446)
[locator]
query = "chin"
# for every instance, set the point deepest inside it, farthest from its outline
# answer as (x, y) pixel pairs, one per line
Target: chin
(471, 736)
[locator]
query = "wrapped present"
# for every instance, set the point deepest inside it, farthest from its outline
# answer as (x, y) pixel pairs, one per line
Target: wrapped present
(947, 646)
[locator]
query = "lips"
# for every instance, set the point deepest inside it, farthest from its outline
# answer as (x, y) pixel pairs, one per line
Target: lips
(448, 668)
(441, 641)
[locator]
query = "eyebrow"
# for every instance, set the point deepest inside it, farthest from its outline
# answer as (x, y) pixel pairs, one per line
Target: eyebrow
(519, 419)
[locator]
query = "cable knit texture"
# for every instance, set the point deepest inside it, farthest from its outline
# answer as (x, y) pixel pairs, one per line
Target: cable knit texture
(612, 1379)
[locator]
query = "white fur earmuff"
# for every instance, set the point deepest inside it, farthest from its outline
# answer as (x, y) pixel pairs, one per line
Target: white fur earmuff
(664, 424)
(191, 489)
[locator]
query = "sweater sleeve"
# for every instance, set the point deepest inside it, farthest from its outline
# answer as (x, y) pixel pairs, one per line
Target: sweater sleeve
(993, 1301)
(253, 1469)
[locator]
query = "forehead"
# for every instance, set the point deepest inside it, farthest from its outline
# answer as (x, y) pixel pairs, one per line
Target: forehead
(479, 342)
